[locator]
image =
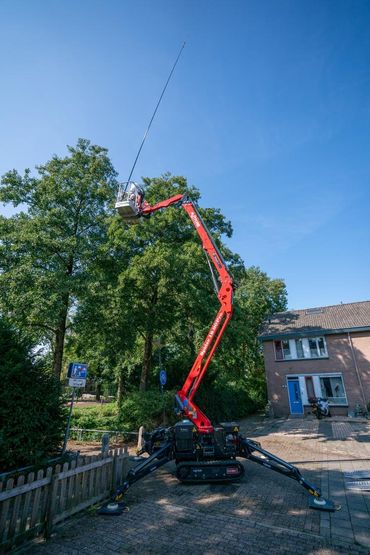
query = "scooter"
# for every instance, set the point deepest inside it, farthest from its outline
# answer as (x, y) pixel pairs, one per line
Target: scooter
(320, 407)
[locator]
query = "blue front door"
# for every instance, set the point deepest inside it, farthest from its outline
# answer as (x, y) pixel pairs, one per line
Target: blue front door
(295, 400)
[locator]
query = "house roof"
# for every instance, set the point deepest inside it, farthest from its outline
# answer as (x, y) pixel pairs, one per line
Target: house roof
(327, 319)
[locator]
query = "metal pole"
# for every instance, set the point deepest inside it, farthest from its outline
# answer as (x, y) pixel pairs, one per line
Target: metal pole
(155, 111)
(162, 387)
(66, 436)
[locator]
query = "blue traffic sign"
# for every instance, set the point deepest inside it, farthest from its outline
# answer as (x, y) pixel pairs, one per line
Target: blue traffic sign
(77, 371)
(163, 377)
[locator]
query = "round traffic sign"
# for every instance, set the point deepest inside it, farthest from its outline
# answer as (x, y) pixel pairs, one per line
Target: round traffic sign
(163, 377)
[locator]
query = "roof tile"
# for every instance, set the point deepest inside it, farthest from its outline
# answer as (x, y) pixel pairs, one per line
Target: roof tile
(335, 317)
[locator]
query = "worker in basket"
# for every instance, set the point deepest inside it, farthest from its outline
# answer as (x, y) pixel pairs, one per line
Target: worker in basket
(130, 200)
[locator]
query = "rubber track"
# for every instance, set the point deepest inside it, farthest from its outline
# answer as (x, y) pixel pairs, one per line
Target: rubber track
(198, 464)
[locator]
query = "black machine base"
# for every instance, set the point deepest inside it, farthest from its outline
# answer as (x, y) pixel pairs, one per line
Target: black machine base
(208, 458)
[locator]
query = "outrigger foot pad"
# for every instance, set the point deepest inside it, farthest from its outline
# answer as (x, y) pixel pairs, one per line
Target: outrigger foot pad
(322, 504)
(112, 509)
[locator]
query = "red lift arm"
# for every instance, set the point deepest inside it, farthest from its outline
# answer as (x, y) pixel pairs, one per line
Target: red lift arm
(207, 457)
(186, 394)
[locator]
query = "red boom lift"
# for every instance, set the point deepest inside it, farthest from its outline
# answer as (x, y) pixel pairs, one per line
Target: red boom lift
(202, 452)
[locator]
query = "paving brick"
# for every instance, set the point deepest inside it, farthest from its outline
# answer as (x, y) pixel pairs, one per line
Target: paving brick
(342, 533)
(363, 538)
(264, 513)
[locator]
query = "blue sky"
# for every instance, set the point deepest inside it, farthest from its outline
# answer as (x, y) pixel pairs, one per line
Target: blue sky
(268, 114)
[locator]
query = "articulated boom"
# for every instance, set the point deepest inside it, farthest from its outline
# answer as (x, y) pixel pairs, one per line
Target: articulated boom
(202, 453)
(185, 396)
(225, 295)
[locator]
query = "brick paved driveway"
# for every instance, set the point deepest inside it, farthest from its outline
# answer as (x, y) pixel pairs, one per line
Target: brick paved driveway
(264, 513)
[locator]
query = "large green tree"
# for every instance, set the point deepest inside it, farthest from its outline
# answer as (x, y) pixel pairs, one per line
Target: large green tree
(158, 292)
(48, 248)
(240, 357)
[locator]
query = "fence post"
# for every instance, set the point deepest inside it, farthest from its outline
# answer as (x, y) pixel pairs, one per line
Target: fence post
(4, 512)
(114, 470)
(16, 505)
(36, 517)
(125, 465)
(140, 439)
(105, 444)
(52, 497)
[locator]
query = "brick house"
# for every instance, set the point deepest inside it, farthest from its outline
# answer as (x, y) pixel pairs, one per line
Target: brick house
(322, 352)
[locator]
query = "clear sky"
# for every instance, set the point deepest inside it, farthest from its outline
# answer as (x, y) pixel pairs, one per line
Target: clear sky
(268, 114)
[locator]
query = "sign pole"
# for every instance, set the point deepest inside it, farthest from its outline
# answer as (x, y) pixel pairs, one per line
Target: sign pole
(77, 375)
(69, 421)
(163, 381)
(164, 409)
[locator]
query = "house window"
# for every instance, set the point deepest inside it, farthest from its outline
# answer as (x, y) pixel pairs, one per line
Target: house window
(310, 388)
(299, 347)
(317, 347)
(282, 350)
(322, 347)
(333, 389)
(278, 350)
(312, 347)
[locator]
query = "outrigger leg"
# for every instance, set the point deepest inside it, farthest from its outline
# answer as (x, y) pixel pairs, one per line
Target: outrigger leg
(268, 460)
(161, 456)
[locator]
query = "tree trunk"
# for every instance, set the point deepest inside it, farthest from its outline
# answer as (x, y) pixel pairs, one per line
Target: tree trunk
(59, 345)
(61, 328)
(120, 386)
(148, 347)
(147, 362)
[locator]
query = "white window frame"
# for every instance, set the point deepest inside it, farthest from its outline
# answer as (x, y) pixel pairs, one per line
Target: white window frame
(305, 347)
(317, 339)
(317, 386)
(331, 403)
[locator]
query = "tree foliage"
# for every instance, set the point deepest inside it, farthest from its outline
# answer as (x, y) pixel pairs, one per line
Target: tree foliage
(32, 416)
(47, 249)
(127, 299)
(158, 302)
(240, 356)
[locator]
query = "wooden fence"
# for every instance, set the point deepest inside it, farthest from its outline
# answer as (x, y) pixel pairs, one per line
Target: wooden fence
(34, 504)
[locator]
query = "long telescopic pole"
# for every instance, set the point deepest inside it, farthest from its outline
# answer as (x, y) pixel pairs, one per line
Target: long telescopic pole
(155, 111)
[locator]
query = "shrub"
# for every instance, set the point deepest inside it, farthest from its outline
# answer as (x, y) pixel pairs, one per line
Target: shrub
(145, 408)
(32, 416)
(227, 401)
(102, 417)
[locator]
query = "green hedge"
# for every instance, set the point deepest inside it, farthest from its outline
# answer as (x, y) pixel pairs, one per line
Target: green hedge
(146, 408)
(32, 415)
(138, 408)
(227, 402)
(100, 417)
